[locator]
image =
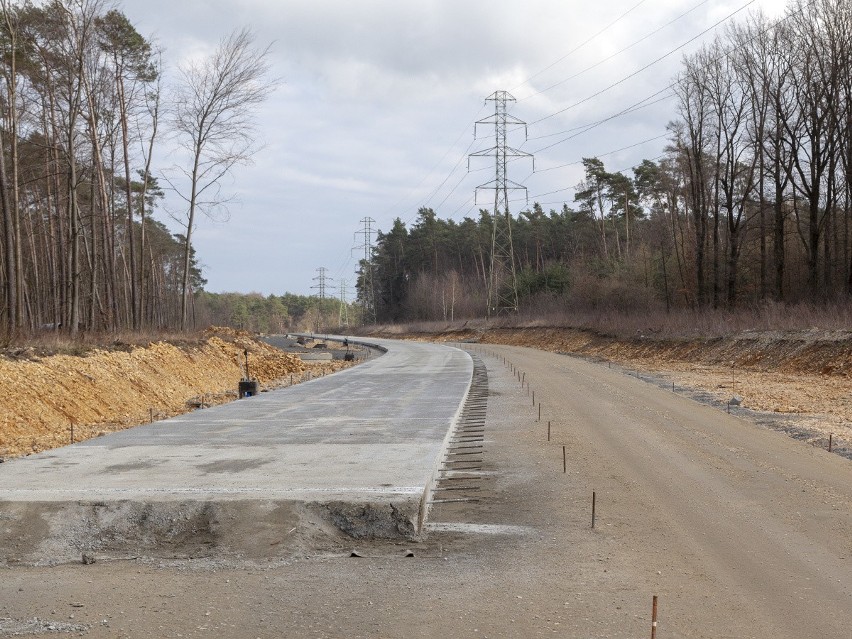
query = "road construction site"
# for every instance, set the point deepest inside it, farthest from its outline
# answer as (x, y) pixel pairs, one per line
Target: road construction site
(736, 529)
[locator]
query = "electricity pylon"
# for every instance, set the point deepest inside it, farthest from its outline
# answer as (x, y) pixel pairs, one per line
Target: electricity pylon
(502, 280)
(322, 282)
(368, 290)
(343, 314)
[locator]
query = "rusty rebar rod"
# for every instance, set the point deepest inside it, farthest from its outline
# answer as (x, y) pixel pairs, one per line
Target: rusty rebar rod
(654, 618)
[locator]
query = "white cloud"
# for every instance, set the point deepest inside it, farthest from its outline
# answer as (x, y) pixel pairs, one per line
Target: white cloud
(378, 101)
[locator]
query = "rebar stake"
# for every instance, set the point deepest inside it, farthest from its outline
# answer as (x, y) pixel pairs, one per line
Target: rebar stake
(564, 460)
(548, 430)
(593, 509)
(654, 618)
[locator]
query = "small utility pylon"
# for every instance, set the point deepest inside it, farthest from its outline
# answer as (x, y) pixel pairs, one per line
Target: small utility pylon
(343, 314)
(368, 297)
(322, 282)
(502, 280)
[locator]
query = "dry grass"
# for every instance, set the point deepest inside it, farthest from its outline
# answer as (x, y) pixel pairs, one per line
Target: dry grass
(678, 324)
(49, 343)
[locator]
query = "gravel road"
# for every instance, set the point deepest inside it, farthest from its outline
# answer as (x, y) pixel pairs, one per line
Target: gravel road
(740, 531)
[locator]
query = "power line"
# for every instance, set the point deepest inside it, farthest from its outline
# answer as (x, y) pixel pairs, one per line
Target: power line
(582, 44)
(636, 106)
(472, 200)
(595, 125)
(670, 86)
(455, 167)
(574, 188)
(458, 184)
(438, 163)
(449, 175)
(646, 67)
(619, 52)
(602, 155)
(661, 96)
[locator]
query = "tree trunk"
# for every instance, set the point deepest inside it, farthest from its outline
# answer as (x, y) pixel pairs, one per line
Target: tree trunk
(9, 253)
(128, 194)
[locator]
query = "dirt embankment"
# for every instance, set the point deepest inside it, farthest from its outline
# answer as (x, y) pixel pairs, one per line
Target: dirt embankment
(108, 390)
(802, 377)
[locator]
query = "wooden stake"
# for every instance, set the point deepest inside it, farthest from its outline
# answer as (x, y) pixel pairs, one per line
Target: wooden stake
(830, 437)
(151, 412)
(72, 432)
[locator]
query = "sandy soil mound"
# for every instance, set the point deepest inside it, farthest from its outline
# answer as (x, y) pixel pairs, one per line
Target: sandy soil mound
(109, 390)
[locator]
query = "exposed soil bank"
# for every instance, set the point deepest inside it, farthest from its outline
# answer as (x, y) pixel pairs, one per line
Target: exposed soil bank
(108, 390)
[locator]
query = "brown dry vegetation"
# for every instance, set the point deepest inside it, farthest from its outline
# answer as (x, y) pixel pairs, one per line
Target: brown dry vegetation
(122, 385)
(802, 376)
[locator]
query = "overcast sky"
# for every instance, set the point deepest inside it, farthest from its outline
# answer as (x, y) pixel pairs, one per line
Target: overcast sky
(374, 113)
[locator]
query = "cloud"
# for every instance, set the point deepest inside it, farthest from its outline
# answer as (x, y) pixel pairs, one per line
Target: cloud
(374, 116)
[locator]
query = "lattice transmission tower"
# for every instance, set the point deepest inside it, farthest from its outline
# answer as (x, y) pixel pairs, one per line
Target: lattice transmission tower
(368, 291)
(323, 282)
(343, 314)
(502, 280)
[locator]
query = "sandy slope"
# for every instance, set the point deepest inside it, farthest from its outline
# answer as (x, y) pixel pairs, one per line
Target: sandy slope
(109, 390)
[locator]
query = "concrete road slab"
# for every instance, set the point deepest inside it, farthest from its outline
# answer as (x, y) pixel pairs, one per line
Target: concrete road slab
(372, 434)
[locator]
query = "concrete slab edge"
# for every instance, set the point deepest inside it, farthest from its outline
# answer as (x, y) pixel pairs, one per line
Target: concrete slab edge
(439, 460)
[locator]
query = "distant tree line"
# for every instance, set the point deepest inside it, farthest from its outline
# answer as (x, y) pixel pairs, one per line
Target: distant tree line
(274, 313)
(81, 113)
(752, 200)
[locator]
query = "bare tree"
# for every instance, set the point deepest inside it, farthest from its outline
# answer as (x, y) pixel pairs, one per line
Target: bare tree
(695, 109)
(213, 122)
(812, 132)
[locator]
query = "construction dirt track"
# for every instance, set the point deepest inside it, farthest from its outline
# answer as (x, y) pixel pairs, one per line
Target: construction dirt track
(740, 530)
